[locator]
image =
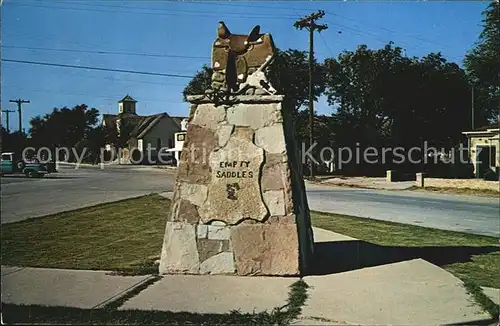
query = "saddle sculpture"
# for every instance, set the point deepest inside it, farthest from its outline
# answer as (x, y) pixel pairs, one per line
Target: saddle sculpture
(239, 62)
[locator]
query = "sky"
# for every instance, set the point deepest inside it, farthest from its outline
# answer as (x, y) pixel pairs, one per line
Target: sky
(175, 38)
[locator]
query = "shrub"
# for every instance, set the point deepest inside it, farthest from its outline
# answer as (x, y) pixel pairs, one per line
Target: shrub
(491, 175)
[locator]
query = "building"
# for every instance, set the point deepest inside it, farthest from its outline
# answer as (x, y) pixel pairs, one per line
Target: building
(484, 149)
(155, 131)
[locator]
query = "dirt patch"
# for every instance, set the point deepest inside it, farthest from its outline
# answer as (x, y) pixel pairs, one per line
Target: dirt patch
(471, 184)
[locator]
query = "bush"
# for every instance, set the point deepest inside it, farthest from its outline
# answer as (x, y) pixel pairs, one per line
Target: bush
(491, 175)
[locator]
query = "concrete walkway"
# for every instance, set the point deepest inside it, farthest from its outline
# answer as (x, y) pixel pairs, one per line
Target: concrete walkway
(411, 292)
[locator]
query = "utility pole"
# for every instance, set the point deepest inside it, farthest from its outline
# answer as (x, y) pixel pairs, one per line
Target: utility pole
(7, 117)
(309, 23)
(19, 109)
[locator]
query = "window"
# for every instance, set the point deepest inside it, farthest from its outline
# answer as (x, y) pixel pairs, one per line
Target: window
(180, 137)
(6, 157)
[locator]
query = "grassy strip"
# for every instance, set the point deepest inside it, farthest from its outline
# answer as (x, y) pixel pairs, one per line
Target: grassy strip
(482, 299)
(115, 304)
(25, 314)
(467, 256)
(126, 237)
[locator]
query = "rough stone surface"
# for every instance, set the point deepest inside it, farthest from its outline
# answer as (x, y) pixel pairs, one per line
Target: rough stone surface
(185, 211)
(266, 249)
(202, 231)
(193, 165)
(234, 198)
(224, 132)
(179, 253)
(222, 263)
(275, 202)
(220, 223)
(208, 248)
(244, 133)
(288, 219)
(255, 116)
(216, 232)
(194, 193)
(208, 115)
(271, 138)
(273, 172)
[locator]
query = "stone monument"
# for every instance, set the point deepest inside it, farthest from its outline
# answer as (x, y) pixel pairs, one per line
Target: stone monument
(239, 204)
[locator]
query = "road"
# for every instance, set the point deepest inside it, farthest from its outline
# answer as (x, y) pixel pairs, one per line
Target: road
(75, 188)
(72, 188)
(471, 214)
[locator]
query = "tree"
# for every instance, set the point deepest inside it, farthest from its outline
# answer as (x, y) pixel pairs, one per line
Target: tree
(200, 82)
(63, 127)
(482, 64)
(381, 98)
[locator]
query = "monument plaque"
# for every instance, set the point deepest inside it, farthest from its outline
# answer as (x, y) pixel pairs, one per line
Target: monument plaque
(234, 192)
(239, 204)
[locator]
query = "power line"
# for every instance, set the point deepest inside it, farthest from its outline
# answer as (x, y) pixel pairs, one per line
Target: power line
(97, 68)
(50, 91)
(205, 14)
(106, 52)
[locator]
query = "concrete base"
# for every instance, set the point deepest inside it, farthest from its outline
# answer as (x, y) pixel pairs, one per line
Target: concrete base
(69, 288)
(212, 294)
(412, 292)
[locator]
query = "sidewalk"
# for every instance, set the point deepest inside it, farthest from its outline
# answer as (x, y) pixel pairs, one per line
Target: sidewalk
(409, 292)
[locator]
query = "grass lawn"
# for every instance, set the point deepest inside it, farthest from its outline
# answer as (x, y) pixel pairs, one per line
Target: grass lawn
(127, 236)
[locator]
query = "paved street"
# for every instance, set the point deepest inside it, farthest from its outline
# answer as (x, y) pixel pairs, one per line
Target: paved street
(479, 215)
(72, 188)
(69, 189)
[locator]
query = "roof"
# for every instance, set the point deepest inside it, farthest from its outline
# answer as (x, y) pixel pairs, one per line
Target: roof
(484, 130)
(127, 98)
(178, 120)
(141, 124)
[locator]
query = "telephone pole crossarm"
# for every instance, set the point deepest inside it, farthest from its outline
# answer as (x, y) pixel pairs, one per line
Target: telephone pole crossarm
(19, 110)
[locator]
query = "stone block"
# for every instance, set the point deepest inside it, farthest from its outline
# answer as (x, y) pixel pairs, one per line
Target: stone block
(271, 138)
(179, 253)
(202, 231)
(246, 133)
(234, 193)
(420, 180)
(209, 116)
(217, 232)
(185, 211)
(265, 249)
(209, 247)
(222, 263)
(275, 202)
(193, 164)
(273, 172)
(254, 116)
(194, 193)
(223, 133)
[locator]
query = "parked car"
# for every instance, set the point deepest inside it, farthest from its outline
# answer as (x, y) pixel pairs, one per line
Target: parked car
(12, 164)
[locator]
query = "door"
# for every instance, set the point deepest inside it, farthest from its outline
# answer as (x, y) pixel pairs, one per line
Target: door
(483, 160)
